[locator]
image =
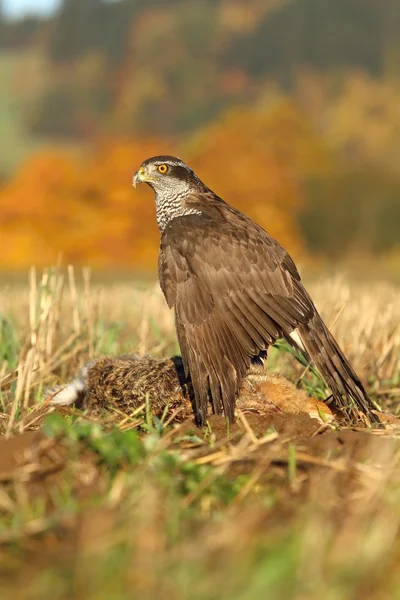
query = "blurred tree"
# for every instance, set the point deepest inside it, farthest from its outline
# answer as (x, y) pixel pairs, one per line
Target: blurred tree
(319, 33)
(172, 65)
(392, 41)
(352, 211)
(19, 34)
(363, 122)
(103, 68)
(54, 113)
(85, 209)
(258, 160)
(92, 25)
(171, 75)
(76, 30)
(75, 109)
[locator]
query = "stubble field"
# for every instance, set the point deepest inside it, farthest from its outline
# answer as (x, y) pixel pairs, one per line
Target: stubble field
(136, 506)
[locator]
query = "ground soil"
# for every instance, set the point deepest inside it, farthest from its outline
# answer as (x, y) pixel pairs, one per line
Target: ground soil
(34, 463)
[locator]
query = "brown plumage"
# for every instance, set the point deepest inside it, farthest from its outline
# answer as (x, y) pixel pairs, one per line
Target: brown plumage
(235, 291)
(126, 382)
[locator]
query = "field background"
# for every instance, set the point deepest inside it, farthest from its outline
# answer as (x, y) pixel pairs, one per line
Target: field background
(106, 509)
(288, 109)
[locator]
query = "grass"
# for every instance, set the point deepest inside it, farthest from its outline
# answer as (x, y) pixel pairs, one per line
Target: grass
(138, 507)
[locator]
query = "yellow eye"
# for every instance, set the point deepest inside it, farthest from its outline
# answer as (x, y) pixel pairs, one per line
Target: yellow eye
(162, 168)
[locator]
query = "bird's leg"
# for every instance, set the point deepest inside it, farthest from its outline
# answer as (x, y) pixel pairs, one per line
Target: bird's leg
(199, 419)
(259, 359)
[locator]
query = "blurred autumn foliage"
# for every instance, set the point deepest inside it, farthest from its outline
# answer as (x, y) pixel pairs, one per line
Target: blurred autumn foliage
(258, 159)
(84, 206)
(288, 110)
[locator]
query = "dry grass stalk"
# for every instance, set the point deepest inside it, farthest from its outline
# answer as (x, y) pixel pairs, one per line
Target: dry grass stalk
(63, 330)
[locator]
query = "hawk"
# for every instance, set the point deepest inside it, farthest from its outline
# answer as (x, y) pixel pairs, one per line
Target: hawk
(235, 291)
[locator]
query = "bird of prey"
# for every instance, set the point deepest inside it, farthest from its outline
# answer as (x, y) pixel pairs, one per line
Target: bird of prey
(235, 291)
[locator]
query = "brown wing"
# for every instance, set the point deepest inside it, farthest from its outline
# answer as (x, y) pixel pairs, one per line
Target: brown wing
(235, 291)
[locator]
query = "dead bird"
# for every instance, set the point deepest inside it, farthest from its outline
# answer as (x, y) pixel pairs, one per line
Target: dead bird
(127, 382)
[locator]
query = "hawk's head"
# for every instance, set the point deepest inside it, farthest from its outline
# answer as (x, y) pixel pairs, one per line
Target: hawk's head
(166, 174)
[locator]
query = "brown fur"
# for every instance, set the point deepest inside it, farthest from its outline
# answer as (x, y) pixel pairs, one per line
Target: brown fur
(124, 382)
(267, 392)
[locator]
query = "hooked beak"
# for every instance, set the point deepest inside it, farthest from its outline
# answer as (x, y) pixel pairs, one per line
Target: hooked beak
(139, 177)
